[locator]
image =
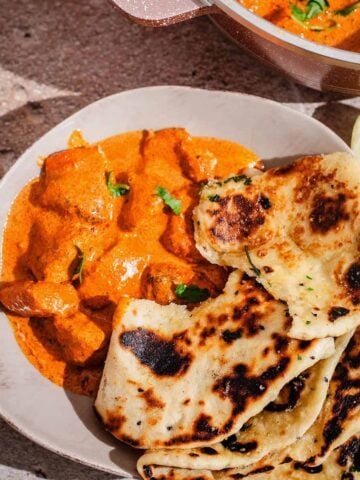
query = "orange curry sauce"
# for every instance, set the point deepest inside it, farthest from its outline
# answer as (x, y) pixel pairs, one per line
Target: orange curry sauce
(129, 246)
(336, 30)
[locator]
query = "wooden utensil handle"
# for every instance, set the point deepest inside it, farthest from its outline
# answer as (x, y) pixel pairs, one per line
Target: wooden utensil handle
(158, 13)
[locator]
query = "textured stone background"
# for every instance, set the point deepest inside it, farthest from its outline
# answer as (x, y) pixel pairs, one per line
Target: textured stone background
(57, 56)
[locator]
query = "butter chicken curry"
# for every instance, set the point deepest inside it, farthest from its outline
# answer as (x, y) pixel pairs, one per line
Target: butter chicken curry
(103, 222)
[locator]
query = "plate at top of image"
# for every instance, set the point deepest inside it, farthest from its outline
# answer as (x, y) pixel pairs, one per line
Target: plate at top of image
(64, 422)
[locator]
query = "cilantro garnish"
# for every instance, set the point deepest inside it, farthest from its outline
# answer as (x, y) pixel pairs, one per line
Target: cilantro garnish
(214, 198)
(192, 293)
(344, 12)
(253, 267)
(169, 200)
(77, 275)
(116, 189)
(239, 178)
(314, 8)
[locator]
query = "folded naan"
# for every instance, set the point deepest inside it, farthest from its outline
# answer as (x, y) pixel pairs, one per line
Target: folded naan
(296, 229)
(279, 425)
(178, 378)
(342, 464)
(340, 417)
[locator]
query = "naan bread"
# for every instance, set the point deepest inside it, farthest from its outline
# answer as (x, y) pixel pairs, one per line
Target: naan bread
(297, 230)
(340, 417)
(175, 378)
(342, 464)
(279, 425)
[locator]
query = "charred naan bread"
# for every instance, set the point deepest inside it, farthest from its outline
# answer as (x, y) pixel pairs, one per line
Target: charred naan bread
(340, 416)
(297, 230)
(279, 425)
(178, 378)
(342, 464)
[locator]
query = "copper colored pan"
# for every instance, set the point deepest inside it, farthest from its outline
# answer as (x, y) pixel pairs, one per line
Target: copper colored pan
(311, 64)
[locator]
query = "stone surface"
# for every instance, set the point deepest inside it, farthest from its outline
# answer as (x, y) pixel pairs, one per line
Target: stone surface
(58, 56)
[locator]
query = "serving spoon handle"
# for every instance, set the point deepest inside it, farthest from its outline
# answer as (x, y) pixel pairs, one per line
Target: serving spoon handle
(158, 13)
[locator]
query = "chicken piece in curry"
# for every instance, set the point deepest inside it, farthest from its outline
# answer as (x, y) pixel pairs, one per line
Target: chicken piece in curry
(104, 222)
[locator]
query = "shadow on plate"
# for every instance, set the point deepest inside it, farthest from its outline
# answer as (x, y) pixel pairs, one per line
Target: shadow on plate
(121, 455)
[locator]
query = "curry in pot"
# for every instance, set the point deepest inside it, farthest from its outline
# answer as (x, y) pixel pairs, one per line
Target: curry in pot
(335, 23)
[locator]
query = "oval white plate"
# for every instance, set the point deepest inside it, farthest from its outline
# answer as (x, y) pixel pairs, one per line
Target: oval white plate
(64, 422)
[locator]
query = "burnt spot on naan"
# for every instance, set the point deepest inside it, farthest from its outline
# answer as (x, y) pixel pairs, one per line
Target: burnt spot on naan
(308, 468)
(281, 342)
(327, 212)
(290, 396)
(346, 395)
(113, 422)
(265, 469)
(233, 445)
(209, 451)
(160, 355)
(349, 454)
(205, 334)
(202, 431)
(148, 473)
(352, 281)
(241, 387)
(151, 399)
(229, 336)
(337, 312)
(236, 217)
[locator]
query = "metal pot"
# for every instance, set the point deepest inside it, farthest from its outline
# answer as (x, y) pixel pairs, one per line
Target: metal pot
(309, 63)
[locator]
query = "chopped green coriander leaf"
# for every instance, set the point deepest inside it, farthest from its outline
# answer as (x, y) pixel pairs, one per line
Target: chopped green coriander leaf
(116, 189)
(297, 14)
(77, 274)
(314, 8)
(192, 293)
(308, 276)
(309, 289)
(308, 322)
(344, 12)
(239, 178)
(299, 357)
(253, 267)
(169, 200)
(214, 198)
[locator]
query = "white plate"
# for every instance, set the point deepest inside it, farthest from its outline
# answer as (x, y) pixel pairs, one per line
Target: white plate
(64, 422)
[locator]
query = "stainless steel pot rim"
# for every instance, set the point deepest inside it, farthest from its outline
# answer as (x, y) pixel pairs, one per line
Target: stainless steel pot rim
(240, 13)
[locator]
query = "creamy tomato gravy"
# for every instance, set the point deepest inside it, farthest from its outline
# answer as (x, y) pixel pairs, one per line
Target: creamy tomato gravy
(131, 246)
(344, 35)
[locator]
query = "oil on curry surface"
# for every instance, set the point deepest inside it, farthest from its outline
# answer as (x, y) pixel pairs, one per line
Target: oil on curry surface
(96, 227)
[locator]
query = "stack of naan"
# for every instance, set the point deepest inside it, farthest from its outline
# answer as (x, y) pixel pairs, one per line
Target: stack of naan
(264, 380)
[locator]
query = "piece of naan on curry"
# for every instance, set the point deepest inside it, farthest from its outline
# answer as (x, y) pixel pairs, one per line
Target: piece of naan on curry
(342, 464)
(280, 424)
(296, 229)
(178, 378)
(97, 225)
